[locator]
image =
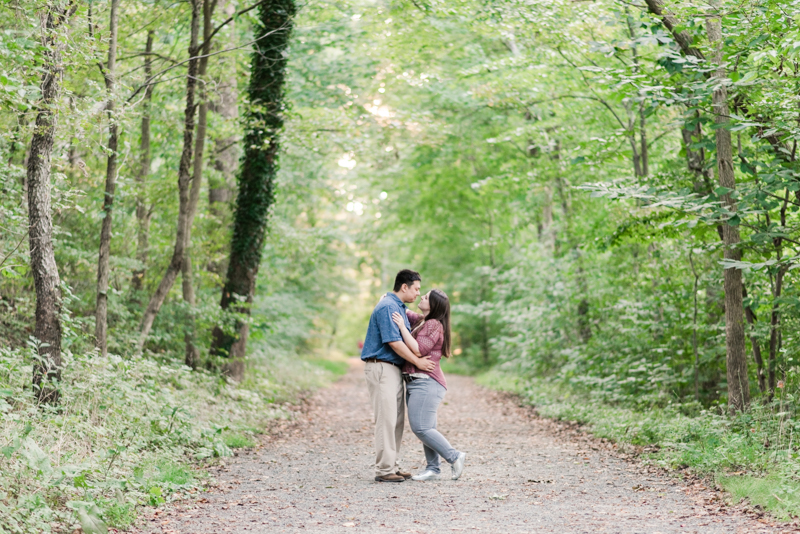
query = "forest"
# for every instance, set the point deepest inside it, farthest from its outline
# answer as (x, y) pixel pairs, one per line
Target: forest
(202, 200)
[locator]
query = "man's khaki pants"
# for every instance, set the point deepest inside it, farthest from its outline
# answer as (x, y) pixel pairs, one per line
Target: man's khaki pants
(387, 395)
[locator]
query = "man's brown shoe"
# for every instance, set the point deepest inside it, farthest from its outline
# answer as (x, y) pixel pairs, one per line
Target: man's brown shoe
(404, 474)
(391, 477)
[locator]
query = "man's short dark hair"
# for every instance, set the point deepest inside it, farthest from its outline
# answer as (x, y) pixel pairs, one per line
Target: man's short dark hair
(407, 277)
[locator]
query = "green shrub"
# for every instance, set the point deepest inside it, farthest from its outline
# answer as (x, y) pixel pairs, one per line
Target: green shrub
(123, 436)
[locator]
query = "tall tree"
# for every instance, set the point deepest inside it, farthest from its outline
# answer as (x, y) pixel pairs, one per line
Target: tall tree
(192, 355)
(109, 74)
(143, 212)
(736, 357)
(256, 176)
(738, 383)
(47, 367)
(184, 182)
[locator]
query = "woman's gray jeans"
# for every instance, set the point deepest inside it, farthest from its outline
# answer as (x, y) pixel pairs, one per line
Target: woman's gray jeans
(423, 397)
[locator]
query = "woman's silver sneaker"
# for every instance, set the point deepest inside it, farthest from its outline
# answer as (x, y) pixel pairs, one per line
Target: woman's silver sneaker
(458, 465)
(427, 475)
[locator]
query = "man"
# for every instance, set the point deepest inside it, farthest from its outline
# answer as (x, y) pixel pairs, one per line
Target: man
(385, 354)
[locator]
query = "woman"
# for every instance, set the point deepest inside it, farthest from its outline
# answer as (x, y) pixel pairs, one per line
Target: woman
(429, 336)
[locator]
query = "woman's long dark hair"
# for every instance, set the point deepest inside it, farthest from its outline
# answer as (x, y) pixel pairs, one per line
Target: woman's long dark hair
(440, 310)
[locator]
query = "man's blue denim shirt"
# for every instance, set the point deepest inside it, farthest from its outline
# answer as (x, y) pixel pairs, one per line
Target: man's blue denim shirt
(382, 331)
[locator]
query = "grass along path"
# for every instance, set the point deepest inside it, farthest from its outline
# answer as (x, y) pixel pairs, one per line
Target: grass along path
(523, 474)
(129, 435)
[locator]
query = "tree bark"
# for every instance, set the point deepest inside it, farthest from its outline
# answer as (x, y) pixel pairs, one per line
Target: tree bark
(143, 212)
(695, 160)
(101, 309)
(256, 177)
(192, 356)
(738, 384)
(184, 181)
(47, 366)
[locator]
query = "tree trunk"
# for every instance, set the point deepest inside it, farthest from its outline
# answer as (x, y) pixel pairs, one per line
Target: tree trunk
(643, 141)
(184, 181)
(775, 316)
(774, 334)
(226, 147)
(682, 38)
(640, 164)
(695, 352)
(101, 310)
(750, 315)
(637, 165)
(696, 159)
(142, 210)
(192, 356)
(47, 367)
(738, 384)
(547, 234)
(256, 177)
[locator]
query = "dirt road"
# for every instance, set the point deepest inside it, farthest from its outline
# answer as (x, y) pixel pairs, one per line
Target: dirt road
(522, 475)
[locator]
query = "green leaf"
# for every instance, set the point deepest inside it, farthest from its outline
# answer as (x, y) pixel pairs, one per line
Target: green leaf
(37, 458)
(720, 191)
(91, 522)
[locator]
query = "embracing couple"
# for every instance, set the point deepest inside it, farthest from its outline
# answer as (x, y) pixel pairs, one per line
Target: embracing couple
(402, 351)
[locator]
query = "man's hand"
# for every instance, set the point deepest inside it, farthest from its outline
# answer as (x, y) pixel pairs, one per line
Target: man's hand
(425, 364)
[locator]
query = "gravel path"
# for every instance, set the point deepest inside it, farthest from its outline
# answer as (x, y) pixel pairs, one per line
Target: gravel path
(523, 474)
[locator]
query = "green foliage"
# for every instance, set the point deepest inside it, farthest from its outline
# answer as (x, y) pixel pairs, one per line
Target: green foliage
(238, 441)
(172, 473)
(773, 493)
(551, 167)
(125, 435)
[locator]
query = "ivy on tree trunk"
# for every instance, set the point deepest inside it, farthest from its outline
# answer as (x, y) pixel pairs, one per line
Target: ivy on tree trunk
(256, 177)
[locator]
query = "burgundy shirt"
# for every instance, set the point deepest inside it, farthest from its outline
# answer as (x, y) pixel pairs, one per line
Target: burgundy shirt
(429, 338)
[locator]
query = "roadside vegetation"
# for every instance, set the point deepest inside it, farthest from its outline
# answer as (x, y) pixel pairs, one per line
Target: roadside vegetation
(130, 432)
(202, 201)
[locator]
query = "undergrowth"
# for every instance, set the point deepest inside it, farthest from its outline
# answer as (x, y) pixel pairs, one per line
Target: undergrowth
(751, 455)
(128, 432)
